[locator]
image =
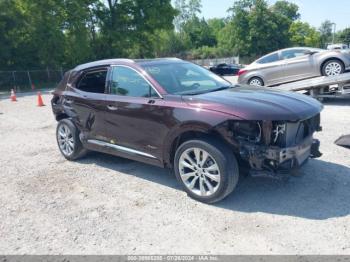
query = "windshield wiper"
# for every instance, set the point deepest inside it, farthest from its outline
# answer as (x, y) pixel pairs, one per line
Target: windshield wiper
(192, 93)
(220, 88)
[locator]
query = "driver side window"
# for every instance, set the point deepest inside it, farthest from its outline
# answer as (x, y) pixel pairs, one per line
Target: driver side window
(127, 82)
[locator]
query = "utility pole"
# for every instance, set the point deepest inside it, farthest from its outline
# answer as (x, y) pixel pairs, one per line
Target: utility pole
(334, 28)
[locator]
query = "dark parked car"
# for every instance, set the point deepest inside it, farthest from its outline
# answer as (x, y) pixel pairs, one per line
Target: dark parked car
(225, 69)
(172, 113)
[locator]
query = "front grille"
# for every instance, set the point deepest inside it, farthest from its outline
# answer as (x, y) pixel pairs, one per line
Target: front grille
(286, 134)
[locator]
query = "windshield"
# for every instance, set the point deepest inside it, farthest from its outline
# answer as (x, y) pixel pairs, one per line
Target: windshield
(185, 78)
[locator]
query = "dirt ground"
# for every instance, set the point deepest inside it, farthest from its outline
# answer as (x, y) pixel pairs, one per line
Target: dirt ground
(109, 205)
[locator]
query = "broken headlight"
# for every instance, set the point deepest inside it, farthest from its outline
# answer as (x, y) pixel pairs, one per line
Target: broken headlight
(247, 130)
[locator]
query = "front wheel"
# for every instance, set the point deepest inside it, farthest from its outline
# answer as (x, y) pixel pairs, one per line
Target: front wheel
(333, 68)
(207, 170)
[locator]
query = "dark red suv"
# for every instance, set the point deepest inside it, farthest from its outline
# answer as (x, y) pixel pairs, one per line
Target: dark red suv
(171, 113)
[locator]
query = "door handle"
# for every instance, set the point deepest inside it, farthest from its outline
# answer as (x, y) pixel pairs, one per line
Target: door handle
(111, 107)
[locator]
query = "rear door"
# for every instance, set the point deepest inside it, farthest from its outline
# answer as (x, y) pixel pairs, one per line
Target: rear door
(297, 64)
(83, 101)
(270, 68)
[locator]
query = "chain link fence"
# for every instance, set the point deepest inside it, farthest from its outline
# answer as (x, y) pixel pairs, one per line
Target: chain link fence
(22, 81)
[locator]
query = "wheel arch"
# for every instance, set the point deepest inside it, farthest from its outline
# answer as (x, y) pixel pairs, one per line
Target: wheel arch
(192, 131)
(61, 116)
(256, 76)
(329, 59)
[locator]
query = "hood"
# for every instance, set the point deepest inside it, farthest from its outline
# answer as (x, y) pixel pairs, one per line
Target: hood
(252, 103)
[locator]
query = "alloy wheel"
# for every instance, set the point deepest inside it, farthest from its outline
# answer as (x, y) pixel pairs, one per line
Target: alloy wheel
(65, 139)
(333, 69)
(255, 82)
(199, 172)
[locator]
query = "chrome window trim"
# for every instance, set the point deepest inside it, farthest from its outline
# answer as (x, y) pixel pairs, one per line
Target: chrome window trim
(120, 148)
(151, 85)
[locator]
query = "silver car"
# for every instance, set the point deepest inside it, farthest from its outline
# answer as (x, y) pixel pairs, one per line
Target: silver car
(292, 64)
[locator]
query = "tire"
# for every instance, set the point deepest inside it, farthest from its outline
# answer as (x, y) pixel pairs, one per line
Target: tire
(333, 67)
(223, 181)
(67, 136)
(256, 81)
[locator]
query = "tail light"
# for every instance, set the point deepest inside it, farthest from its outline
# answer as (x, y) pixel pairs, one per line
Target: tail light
(241, 72)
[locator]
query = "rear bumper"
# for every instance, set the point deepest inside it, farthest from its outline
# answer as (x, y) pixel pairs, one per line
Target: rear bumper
(279, 162)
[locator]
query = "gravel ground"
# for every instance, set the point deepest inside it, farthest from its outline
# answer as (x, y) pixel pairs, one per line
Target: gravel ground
(108, 205)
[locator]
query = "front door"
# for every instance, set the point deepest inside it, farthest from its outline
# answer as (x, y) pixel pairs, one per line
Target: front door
(136, 116)
(297, 64)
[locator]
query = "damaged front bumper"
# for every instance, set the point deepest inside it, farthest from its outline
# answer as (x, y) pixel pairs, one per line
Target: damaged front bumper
(279, 162)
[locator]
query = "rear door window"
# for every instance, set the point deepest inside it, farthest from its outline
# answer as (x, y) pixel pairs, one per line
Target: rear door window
(269, 59)
(93, 82)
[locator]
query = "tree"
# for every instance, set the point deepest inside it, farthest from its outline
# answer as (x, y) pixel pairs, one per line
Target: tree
(145, 22)
(13, 36)
(196, 33)
(63, 33)
(302, 34)
(287, 9)
(187, 10)
(80, 31)
(238, 27)
(168, 43)
(216, 25)
(344, 36)
(227, 41)
(255, 29)
(326, 33)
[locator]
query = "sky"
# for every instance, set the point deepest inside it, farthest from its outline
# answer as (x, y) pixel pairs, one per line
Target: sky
(311, 11)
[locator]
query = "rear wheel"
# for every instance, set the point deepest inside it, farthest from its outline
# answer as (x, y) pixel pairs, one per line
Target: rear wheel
(333, 67)
(68, 140)
(207, 170)
(256, 81)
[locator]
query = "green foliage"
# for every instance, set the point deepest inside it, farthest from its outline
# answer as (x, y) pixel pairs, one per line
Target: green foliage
(64, 33)
(326, 30)
(289, 10)
(255, 28)
(344, 36)
(187, 10)
(55, 33)
(216, 25)
(302, 34)
(197, 33)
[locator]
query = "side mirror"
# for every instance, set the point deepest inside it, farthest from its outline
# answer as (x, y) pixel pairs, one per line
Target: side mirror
(309, 52)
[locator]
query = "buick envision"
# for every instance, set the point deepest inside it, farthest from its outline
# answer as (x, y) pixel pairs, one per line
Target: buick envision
(171, 113)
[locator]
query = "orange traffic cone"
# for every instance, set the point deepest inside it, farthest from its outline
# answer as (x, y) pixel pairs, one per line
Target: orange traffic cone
(13, 96)
(40, 100)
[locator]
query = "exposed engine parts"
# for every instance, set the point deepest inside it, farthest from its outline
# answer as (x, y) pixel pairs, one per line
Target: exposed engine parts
(277, 131)
(249, 131)
(276, 147)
